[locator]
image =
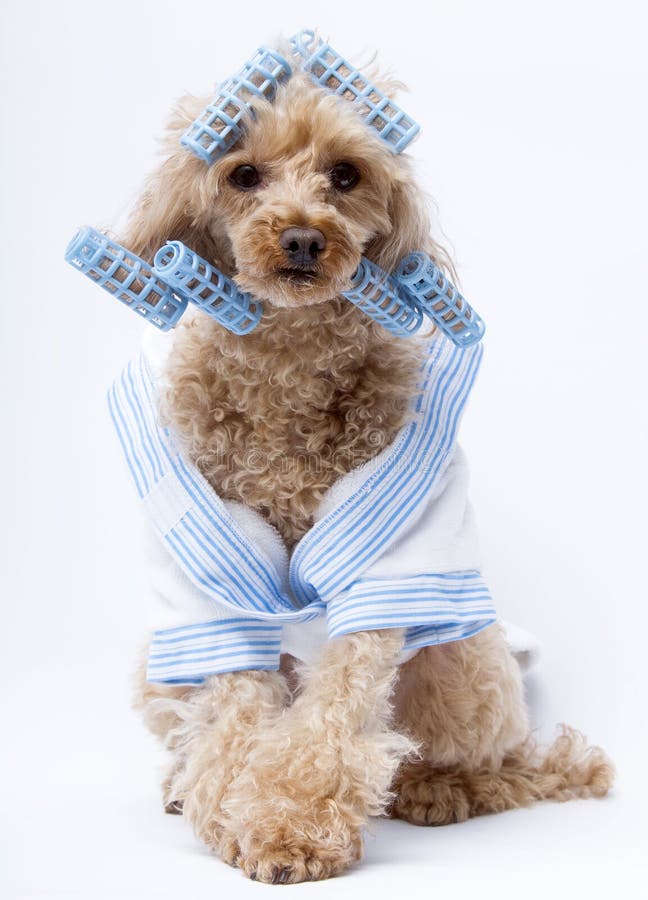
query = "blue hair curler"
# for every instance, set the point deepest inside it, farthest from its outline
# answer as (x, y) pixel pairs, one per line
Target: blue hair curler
(333, 72)
(125, 276)
(219, 125)
(439, 299)
(379, 295)
(202, 284)
(161, 293)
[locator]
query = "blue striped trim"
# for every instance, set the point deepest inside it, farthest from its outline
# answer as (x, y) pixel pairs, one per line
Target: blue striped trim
(189, 654)
(453, 599)
(428, 635)
(354, 535)
(206, 541)
(201, 495)
(219, 524)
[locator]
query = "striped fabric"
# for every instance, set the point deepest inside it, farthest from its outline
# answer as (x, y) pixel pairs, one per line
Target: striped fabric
(458, 597)
(183, 655)
(347, 541)
(327, 567)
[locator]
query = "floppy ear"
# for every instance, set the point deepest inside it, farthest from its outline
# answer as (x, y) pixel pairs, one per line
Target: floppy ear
(175, 204)
(170, 210)
(410, 228)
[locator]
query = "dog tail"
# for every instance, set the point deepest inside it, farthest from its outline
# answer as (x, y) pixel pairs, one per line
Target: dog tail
(565, 770)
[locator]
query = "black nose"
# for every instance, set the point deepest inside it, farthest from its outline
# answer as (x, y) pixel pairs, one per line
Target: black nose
(302, 245)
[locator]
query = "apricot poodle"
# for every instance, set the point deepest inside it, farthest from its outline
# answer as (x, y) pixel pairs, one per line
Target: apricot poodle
(279, 770)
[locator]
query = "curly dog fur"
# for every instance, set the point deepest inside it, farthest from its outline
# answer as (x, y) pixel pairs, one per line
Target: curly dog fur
(279, 771)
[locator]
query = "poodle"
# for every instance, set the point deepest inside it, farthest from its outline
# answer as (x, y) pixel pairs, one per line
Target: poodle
(278, 769)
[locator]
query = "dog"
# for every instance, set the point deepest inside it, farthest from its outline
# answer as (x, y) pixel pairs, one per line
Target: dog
(279, 769)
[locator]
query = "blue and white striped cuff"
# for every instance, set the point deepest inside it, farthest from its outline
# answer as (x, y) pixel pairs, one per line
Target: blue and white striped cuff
(447, 604)
(188, 654)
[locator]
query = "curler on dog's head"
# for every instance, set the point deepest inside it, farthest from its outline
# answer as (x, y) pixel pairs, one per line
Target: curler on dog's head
(379, 296)
(439, 299)
(219, 125)
(126, 276)
(201, 283)
(332, 72)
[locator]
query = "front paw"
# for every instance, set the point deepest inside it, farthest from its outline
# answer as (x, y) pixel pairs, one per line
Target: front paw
(296, 812)
(294, 847)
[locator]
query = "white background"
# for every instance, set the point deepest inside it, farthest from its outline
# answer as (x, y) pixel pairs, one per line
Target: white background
(534, 146)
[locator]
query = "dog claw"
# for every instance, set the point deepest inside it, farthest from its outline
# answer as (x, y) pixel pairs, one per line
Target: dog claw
(173, 808)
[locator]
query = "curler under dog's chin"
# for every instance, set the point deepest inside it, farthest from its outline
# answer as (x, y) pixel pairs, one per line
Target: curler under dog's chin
(205, 286)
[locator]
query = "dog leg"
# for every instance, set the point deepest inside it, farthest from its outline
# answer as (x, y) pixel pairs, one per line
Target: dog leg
(325, 765)
(160, 717)
(208, 729)
(464, 702)
(214, 741)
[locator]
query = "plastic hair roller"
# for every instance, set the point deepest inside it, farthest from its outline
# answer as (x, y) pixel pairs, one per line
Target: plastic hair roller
(126, 277)
(380, 296)
(439, 299)
(333, 72)
(202, 284)
(219, 125)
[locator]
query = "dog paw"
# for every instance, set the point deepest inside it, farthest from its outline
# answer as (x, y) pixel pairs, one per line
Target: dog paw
(294, 826)
(431, 800)
(290, 859)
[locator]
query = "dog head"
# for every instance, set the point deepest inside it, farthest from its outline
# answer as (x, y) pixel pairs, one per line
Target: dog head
(291, 208)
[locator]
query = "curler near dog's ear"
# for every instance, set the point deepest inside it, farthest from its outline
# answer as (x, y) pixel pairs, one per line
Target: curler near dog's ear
(439, 299)
(125, 276)
(162, 292)
(417, 287)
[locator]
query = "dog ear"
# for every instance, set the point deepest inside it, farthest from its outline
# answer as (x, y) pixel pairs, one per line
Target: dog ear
(176, 204)
(169, 209)
(410, 229)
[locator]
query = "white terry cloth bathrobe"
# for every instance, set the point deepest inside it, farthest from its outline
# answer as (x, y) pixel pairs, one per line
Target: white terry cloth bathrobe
(393, 542)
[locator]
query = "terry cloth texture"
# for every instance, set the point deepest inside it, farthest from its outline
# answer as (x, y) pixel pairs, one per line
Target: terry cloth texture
(393, 543)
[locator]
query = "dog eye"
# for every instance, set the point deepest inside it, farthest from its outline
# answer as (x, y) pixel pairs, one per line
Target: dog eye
(344, 176)
(245, 177)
